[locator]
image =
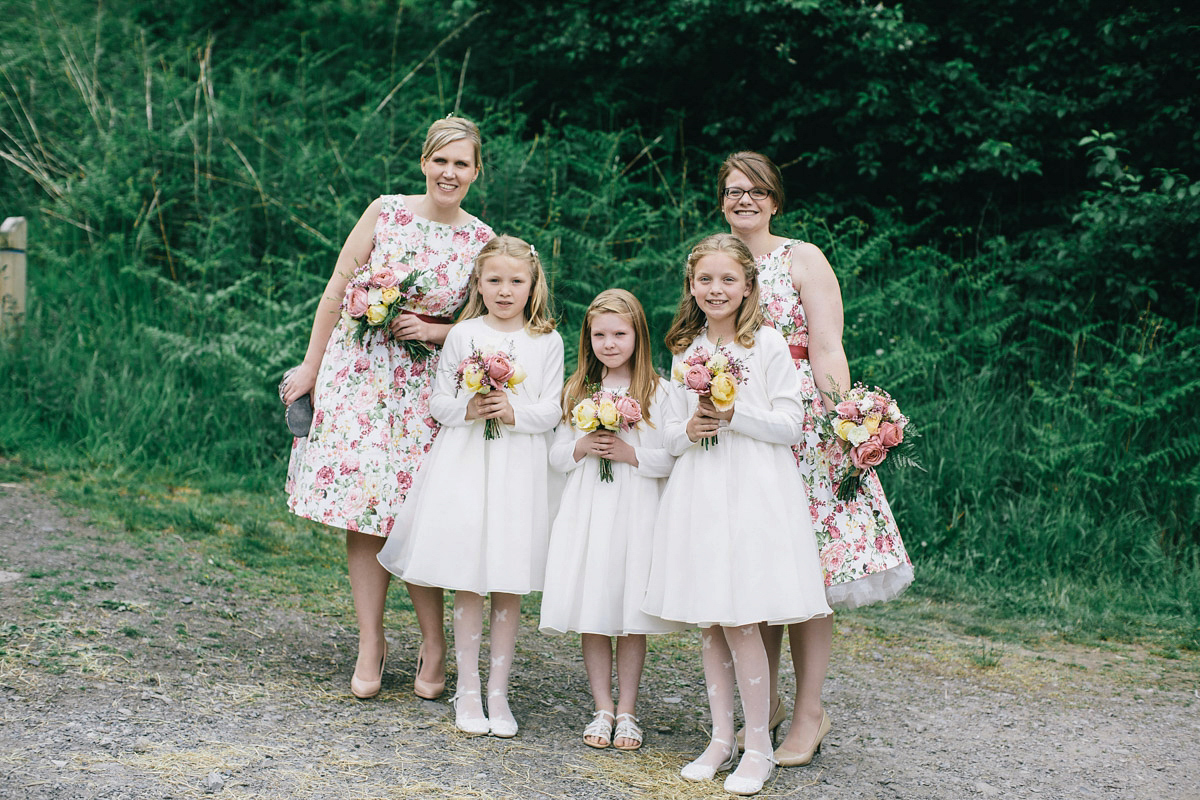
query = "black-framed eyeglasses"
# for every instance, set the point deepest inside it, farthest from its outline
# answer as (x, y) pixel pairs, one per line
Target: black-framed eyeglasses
(735, 193)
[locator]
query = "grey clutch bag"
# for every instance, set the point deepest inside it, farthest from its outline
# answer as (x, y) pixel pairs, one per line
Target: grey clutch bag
(298, 415)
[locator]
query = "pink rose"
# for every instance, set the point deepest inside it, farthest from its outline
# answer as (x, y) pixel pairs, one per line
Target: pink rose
(697, 378)
(404, 481)
(361, 364)
(318, 418)
(868, 454)
(324, 477)
(890, 435)
(442, 280)
(384, 279)
(629, 410)
(356, 302)
(398, 377)
(461, 237)
(482, 234)
(848, 409)
(500, 368)
(699, 356)
(404, 216)
(833, 556)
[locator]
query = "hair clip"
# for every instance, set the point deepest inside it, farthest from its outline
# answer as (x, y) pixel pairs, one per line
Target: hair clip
(533, 251)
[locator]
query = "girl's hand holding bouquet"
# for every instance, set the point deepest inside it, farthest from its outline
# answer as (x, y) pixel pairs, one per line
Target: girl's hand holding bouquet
(606, 411)
(480, 373)
(715, 378)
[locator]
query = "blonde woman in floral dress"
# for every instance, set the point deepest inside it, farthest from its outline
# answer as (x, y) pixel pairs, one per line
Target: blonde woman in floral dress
(862, 555)
(371, 422)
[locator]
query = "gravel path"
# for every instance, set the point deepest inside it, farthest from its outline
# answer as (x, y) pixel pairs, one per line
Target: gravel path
(124, 676)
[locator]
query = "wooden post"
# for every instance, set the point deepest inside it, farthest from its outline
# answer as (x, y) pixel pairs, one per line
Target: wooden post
(12, 273)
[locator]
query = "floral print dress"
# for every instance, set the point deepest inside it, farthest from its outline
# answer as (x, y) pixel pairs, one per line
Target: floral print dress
(862, 555)
(371, 422)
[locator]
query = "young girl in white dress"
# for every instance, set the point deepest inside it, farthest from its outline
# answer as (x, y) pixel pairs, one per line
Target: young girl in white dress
(731, 546)
(477, 518)
(600, 543)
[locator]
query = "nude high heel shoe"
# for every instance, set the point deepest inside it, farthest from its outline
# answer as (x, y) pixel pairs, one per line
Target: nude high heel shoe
(365, 690)
(787, 758)
(427, 690)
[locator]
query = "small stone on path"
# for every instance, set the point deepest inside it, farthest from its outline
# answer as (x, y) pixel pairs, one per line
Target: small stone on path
(213, 782)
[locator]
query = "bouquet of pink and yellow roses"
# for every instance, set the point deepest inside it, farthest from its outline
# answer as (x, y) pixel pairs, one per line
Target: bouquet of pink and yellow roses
(715, 375)
(609, 411)
(485, 370)
(373, 301)
(868, 426)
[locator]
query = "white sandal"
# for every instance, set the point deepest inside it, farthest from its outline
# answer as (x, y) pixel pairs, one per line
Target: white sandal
(470, 725)
(627, 728)
(744, 787)
(500, 727)
(599, 728)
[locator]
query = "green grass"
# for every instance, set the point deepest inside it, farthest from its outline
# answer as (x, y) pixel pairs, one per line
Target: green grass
(251, 543)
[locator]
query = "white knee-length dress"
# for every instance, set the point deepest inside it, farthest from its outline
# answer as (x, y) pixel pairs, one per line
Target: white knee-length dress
(733, 543)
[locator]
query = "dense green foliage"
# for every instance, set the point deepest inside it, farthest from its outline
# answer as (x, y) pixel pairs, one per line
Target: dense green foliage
(1004, 191)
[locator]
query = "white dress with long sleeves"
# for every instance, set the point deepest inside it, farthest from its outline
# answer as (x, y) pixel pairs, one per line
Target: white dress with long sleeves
(733, 543)
(601, 541)
(478, 516)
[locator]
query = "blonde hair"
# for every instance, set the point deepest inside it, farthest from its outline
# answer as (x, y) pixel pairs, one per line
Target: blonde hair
(761, 171)
(690, 320)
(537, 308)
(453, 129)
(643, 382)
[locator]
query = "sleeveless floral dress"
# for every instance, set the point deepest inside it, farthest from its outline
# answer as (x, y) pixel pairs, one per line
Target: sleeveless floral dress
(862, 555)
(371, 423)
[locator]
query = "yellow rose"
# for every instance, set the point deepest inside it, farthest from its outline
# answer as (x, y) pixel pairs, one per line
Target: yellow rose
(677, 372)
(473, 379)
(607, 414)
(518, 376)
(376, 314)
(389, 295)
(843, 427)
(871, 423)
(723, 390)
(584, 415)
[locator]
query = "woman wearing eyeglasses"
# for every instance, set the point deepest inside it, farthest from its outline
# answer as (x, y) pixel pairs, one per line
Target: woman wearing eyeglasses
(860, 548)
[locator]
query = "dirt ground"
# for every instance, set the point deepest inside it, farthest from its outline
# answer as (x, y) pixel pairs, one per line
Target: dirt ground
(121, 676)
